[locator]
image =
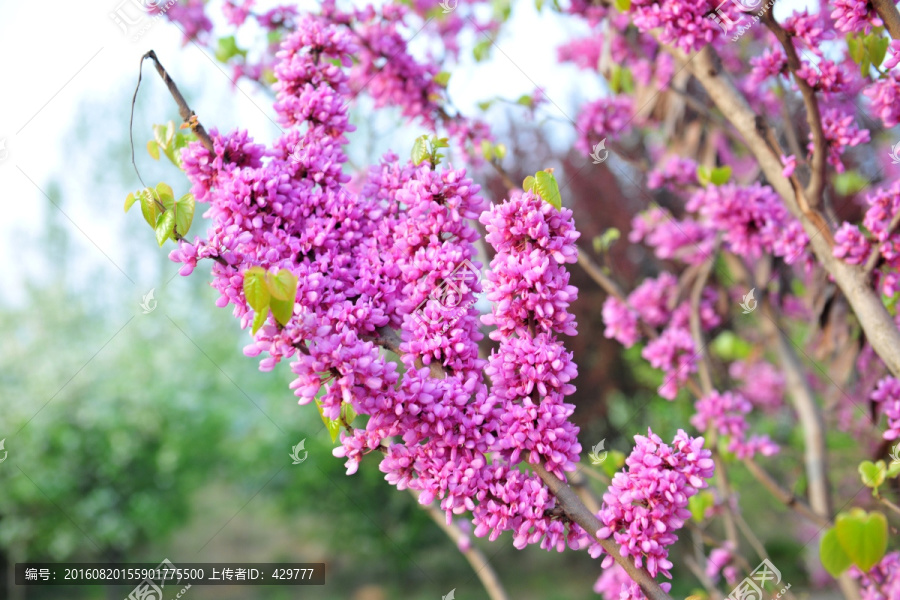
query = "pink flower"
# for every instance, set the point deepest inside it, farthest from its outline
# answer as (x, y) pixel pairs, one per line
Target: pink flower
(851, 245)
(647, 504)
(887, 394)
(790, 163)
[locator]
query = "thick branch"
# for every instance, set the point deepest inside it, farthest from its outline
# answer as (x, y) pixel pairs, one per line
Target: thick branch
(874, 318)
(887, 10)
(578, 512)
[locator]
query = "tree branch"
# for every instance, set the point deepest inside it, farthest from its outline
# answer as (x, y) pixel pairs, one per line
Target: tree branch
(578, 512)
(476, 557)
(887, 10)
(813, 115)
(183, 109)
(874, 318)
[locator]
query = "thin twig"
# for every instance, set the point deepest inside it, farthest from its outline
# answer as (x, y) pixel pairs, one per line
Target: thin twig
(476, 557)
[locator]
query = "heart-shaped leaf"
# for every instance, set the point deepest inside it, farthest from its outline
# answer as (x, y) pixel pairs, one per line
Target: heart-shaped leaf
(282, 285)
(255, 289)
(863, 537)
(832, 555)
(259, 319)
(164, 226)
(872, 474)
(545, 185)
(420, 150)
(282, 309)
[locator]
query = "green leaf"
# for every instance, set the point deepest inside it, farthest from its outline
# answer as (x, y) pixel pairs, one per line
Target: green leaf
(865, 65)
(129, 200)
(259, 319)
(528, 183)
(526, 100)
(730, 347)
(420, 151)
(848, 182)
(863, 537)
(500, 151)
(153, 149)
(228, 48)
(184, 214)
(442, 78)
(877, 46)
(348, 414)
(539, 5)
(615, 79)
(487, 150)
(164, 227)
(255, 289)
(704, 175)
(159, 134)
(149, 208)
(615, 460)
(699, 504)
(872, 474)
(481, 50)
(623, 5)
(604, 241)
(855, 48)
(720, 175)
(832, 555)
(546, 186)
(893, 470)
(627, 81)
(333, 426)
(163, 191)
(282, 285)
(170, 132)
(283, 310)
(485, 104)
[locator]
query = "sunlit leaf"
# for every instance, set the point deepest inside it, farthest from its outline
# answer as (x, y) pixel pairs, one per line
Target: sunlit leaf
(548, 188)
(255, 289)
(832, 555)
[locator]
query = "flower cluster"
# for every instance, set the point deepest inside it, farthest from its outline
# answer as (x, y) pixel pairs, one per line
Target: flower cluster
(887, 395)
(654, 303)
(529, 288)
(855, 247)
(752, 219)
(882, 582)
(647, 504)
(726, 413)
